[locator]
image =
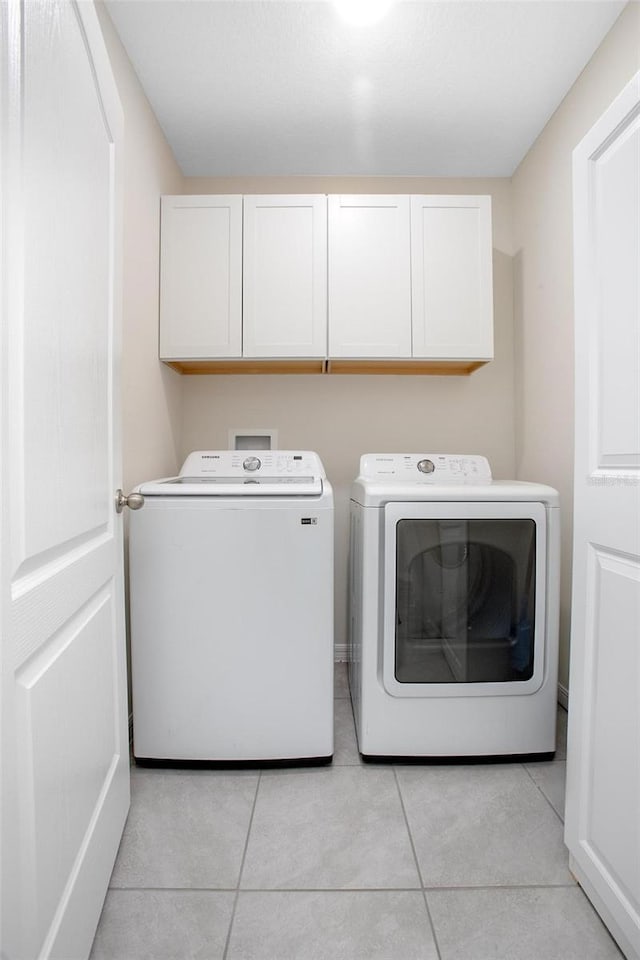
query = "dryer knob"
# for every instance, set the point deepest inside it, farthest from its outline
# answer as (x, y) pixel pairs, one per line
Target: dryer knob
(426, 466)
(252, 463)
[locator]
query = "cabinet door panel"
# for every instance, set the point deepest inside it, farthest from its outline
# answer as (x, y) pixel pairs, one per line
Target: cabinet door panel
(369, 276)
(201, 277)
(452, 295)
(285, 276)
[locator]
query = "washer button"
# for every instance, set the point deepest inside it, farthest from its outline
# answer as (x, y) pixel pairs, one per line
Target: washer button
(252, 463)
(426, 466)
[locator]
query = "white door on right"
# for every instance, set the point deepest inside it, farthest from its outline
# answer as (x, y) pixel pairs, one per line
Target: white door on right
(603, 757)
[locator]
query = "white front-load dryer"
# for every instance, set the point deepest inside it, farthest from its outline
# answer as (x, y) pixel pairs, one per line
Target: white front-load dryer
(454, 597)
(231, 583)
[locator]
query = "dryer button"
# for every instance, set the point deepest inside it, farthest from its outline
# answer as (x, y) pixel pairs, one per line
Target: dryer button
(252, 463)
(426, 466)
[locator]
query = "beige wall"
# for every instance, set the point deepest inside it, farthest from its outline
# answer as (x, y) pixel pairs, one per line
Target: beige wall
(151, 392)
(543, 283)
(342, 417)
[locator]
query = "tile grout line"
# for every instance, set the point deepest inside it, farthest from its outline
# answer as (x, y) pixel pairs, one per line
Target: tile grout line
(415, 858)
(174, 889)
(359, 762)
(503, 886)
(244, 855)
(447, 888)
(541, 791)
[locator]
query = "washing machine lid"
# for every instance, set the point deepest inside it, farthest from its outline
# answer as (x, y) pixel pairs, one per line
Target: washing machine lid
(398, 477)
(243, 473)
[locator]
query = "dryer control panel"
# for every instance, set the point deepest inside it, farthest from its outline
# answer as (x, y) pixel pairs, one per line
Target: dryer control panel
(425, 467)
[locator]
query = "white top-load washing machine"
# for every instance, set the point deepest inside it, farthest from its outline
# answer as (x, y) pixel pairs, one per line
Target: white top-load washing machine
(454, 594)
(231, 574)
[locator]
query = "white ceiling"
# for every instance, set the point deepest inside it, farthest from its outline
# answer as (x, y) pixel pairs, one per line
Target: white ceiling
(285, 87)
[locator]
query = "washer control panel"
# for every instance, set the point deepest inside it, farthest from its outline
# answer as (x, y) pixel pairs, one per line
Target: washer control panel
(425, 467)
(230, 464)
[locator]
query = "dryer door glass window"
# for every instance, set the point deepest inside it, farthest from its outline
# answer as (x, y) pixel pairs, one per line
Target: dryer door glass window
(465, 600)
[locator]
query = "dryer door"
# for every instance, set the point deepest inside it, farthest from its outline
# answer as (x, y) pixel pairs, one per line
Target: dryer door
(464, 599)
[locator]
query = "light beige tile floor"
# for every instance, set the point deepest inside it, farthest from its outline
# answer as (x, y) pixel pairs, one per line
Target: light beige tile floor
(349, 862)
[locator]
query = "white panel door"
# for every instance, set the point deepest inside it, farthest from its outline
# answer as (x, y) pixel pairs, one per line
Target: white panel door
(201, 277)
(451, 277)
(285, 276)
(603, 757)
(369, 276)
(65, 768)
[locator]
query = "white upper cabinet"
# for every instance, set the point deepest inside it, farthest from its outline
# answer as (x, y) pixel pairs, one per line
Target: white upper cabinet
(201, 277)
(451, 272)
(365, 281)
(285, 276)
(369, 276)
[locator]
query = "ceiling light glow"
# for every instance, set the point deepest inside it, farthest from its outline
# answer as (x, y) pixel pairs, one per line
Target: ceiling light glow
(362, 13)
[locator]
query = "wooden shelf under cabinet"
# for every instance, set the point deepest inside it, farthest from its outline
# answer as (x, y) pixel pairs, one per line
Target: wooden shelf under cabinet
(439, 368)
(247, 366)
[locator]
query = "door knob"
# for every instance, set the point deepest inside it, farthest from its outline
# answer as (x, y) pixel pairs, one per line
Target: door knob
(134, 501)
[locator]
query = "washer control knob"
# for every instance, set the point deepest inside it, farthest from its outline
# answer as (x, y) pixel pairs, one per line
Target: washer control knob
(426, 466)
(252, 463)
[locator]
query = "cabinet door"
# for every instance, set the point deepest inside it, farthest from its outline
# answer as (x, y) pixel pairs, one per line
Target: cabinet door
(285, 276)
(369, 276)
(451, 277)
(201, 277)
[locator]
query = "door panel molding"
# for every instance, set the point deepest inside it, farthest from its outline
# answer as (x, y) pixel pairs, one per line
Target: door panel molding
(602, 827)
(65, 763)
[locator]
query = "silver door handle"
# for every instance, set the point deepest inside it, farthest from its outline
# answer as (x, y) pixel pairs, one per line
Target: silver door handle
(134, 501)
